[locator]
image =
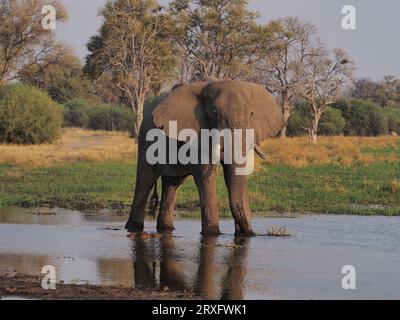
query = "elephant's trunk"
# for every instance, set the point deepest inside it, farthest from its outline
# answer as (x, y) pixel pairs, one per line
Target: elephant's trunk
(238, 200)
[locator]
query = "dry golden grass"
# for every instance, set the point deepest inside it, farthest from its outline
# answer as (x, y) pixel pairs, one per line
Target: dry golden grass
(75, 145)
(81, 145)
(395, 186)
(299, 152)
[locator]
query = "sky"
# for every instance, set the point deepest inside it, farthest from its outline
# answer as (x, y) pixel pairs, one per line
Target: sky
(374, 46)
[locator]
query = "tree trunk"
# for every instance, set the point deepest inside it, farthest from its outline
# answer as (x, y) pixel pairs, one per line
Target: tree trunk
(137, 124)
(286, 115)
(137, 107)
(314, 127)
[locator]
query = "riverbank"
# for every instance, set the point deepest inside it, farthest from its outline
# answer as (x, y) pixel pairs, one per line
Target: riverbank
(340, 175)
(29, 287)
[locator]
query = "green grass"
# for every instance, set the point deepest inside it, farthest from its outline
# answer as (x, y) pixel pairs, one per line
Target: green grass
(388, 150)
(86, 185)
(328, 189)
(369, 189)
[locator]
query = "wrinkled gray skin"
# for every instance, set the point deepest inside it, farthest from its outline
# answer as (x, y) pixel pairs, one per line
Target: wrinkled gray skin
(225, 104)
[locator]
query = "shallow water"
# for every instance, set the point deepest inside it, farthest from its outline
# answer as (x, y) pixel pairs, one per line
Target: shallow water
(94, 248)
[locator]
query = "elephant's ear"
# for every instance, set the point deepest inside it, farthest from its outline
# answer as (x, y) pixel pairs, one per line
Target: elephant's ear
(245, 105)
(184, 106)
(266, 118)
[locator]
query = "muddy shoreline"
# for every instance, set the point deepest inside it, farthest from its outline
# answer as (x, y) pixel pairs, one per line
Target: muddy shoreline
(29, 286)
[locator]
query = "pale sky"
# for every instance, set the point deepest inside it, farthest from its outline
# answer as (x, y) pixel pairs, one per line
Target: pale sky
(374, 45)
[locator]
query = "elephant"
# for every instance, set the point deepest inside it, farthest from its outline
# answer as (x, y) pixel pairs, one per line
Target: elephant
(210, 104)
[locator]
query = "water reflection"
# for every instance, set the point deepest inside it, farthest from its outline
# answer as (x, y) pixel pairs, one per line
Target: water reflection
(114, 271)
(215, 272)
(26, 264)
(233, 283)
(57, 216)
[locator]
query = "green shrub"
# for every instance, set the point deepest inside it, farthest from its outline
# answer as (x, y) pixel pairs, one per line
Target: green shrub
(82, 114)
(76, 113)
(331, 122)
(28, 116)
(110, 118)
(392, 117)
(363, 118)
(300, 119)
(77, 104)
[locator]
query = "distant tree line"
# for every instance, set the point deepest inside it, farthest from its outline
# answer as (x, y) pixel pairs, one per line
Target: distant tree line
(351, 117)
(83, 114)
(143, 48)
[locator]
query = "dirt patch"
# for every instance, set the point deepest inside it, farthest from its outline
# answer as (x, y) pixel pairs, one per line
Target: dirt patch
(29, 286)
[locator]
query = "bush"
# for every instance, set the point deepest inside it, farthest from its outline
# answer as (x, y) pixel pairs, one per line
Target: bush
(392, 117)
(110, 118)
(300, 119)
(76, 113)
(80, 113)
(331, 123)
(363, 118)
(28, 116)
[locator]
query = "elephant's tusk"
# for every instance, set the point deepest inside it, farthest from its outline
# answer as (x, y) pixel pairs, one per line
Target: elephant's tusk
(259, 152)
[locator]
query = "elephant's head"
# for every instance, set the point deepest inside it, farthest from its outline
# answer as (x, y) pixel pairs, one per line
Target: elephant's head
(227, 104)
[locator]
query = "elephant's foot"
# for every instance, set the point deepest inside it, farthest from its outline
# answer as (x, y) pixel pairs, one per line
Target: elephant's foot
(134, 226)
(211, 231)
(248, 233)
(163, 227)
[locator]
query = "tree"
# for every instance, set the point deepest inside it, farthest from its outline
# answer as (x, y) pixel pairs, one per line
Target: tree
(133, 49)
(324, 75)
(386, 92)
(107, 92)
(332, 121)
(363, 89)
(280, 70)
(63, 81)
(23, 40)
(217, 38)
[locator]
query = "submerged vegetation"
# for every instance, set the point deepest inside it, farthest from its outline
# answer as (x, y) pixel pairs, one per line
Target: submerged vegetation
(276, 231)
(93, 170)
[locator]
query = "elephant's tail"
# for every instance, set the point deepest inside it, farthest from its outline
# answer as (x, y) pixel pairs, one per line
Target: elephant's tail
(154, 201)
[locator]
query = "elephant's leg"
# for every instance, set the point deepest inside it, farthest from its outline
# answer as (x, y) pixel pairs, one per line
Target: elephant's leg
(204, 176)
(154, 201)
(170, 186)
(238, 201)
(237, 228)
(145, 179)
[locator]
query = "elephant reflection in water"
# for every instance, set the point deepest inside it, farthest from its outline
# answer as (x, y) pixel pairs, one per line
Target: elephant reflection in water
(157, 265)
